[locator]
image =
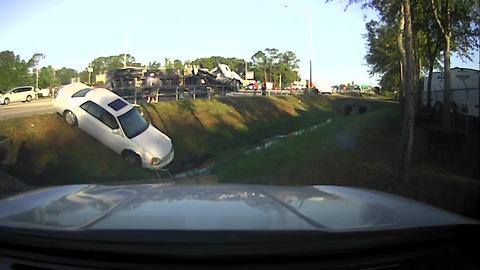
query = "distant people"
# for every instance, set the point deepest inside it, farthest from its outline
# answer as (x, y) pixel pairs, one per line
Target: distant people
(152, 84)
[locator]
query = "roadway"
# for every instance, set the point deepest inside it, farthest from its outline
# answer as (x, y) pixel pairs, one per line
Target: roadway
(20, 109)
(44, 105)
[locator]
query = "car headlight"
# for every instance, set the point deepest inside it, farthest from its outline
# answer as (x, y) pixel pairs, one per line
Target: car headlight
(155, 161)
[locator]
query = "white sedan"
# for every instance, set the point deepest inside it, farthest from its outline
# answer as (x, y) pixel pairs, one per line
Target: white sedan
(116, 123)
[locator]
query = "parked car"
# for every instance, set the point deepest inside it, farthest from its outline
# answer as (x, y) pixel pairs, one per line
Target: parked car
(17, 94)
(45, 92)
(252, 86)
(114, 122)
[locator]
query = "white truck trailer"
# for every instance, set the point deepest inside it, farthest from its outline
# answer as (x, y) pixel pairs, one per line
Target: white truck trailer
(465, 85)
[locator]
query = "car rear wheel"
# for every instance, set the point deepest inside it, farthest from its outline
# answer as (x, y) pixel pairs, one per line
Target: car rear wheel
(70, 118)
(6, 101)
(131, 158)
(29, 98)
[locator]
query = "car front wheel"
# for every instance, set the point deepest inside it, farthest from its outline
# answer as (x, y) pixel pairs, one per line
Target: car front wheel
(29, 98)
(6, 101)
(70, 118)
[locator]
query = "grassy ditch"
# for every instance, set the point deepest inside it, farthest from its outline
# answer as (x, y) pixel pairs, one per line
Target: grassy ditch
(46, 151)
(362, 151)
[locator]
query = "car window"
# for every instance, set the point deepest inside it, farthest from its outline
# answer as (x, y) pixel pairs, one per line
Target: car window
(108, 119)
(100, 113)
(82, 92)
(90, 108)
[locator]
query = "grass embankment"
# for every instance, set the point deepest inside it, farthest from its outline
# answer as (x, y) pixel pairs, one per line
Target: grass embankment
(363, 151)
(47, 151)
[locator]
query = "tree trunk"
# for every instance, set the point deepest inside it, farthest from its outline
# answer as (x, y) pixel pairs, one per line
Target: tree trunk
(402, 82)
(447, 91)
(403, 59)
(416, 77)
(431, 62)
(409, 112)
(429, 88)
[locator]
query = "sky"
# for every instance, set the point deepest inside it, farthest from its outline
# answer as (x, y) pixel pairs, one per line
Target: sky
(71, 33)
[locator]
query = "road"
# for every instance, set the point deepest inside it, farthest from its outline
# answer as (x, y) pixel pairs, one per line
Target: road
(43, 106)
(40, 106)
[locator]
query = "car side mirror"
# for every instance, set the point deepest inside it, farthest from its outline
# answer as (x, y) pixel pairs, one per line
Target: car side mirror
(117, 132)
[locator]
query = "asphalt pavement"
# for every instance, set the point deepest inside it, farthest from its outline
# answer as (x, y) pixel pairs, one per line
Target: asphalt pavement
(21, 109)
(44, 105)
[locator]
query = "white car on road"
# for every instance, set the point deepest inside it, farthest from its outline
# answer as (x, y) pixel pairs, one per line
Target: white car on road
(114, 122)
(23, 93)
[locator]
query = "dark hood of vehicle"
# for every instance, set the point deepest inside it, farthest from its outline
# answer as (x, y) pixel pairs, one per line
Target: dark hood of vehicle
(218, 207)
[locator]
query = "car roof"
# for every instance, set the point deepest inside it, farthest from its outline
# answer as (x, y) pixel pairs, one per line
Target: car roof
(23, 86)
(70, 89)
(103, 97)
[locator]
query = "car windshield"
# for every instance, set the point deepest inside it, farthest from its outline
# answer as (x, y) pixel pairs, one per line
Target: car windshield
(133, 123)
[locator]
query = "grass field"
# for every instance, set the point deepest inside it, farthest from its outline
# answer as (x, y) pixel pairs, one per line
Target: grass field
(359, 150)
(363, 151)
(46, 151)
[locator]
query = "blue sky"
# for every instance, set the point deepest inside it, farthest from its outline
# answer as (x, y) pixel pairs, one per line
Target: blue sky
(72, 33)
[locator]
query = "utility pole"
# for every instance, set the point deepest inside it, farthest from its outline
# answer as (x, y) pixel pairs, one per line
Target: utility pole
(125, 51)
(36, 81)
(245, 69)
(310, 46)
(310, 50)
(89, 70)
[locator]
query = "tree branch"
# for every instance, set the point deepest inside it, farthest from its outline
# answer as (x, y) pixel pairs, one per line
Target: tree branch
(437, 18)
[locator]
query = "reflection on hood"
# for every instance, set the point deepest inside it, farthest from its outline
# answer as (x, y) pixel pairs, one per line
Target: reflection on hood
(218, 207)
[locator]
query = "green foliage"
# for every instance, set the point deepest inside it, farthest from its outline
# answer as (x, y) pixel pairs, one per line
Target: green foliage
(383, 56)
(153, 65)
(84, 76)
(65, 75)
(47, 78)
(105, 63)
(15, 71)
(177, 64)
(235, 64)
(269, 64)
(168, 63)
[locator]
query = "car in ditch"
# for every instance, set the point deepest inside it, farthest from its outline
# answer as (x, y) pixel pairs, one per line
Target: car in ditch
(116, 123)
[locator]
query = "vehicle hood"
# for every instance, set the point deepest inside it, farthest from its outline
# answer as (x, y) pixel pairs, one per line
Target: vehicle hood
(218, 207)
(154, 142)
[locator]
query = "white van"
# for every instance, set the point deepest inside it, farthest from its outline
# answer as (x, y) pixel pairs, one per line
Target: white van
(23, 93)
(464, 83)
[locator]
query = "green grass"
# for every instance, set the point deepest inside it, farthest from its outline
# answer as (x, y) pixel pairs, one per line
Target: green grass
(46, 151)
(362, 151)
(322, 156)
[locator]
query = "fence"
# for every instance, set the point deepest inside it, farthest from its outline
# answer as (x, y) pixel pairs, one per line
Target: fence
(139, 94)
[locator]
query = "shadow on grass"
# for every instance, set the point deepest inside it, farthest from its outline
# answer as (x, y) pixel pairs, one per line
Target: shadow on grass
(46, 151)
